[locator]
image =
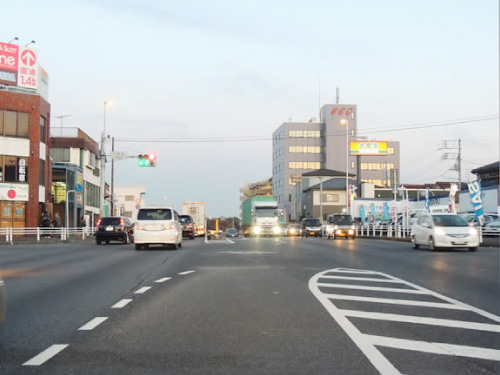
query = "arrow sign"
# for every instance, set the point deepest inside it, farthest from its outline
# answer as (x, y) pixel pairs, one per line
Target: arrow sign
(28, 57)
(78, 187)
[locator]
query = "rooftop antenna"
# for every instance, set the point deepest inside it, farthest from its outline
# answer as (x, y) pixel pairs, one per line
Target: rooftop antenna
(15, 38)
(319, 97)
(27, 44)
(62, 118)
(338, 95)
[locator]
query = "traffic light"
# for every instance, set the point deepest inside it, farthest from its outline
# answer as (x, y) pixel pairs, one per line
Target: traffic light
(147, 160)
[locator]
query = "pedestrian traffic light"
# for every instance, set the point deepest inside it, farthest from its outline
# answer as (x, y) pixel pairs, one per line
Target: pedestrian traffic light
(147, 160)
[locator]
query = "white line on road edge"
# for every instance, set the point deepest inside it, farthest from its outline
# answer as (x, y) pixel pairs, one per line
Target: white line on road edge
(143, 290)
(185, 272)
(122, 303)
(435, 347)
(396, 301)
(374, 288)
(93, 323)
(162, 280)
(421, 320)
(47, 354)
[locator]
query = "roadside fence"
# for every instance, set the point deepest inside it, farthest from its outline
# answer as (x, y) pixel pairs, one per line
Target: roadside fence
(10, 235)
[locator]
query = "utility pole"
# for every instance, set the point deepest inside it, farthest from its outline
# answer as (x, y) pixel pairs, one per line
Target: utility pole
(457, 146)
(112, 176)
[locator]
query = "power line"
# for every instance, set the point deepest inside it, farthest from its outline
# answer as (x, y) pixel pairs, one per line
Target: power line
(268, 138)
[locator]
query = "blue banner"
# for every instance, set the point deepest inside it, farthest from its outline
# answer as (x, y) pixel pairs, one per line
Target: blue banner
(427, 203)
(373, 211)
(386, 211)
(362, 213)
(477, 201)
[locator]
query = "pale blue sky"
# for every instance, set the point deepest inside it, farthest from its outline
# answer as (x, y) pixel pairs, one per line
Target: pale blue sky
(198, 69)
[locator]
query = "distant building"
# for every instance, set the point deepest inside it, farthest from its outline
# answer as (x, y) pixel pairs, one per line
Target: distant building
(75, 157)
(128, 200)
(253, 189)
(301, 147)
(489, 177)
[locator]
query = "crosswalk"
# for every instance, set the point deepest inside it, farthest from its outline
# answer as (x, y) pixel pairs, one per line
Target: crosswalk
(355, 298)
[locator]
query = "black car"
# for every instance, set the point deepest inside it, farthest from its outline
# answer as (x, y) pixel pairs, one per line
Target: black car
(188, 227)
(115, 228)
(232, 232)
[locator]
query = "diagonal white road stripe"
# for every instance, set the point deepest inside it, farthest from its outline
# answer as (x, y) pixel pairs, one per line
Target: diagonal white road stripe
(362, 279)
(44, 356)
(142, 290)
(374, 288)
(121, 304)
(93, 323)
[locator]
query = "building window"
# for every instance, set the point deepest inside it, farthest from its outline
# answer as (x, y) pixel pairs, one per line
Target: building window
(60, 155)
(42, 173)
(353, 165)
(305, 133)
(305, 165)
(92, 159)
(390, 151)
(13, 169)
(330, 198)
(14, 124)
(42, 129)
(129, 198)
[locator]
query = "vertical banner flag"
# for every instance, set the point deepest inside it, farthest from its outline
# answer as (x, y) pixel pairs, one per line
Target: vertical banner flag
(477, 202)
(373, 211)
(453, 191)
(386, 211)
(427, 203)
(362, 212)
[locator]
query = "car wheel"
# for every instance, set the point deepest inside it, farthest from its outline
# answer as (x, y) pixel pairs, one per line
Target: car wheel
(125, 240)
(191, 237)
(414, 242)
(98, 241)
(175, 246)
(472, 248)
(432, 246)
(107, 242)
(138, 247)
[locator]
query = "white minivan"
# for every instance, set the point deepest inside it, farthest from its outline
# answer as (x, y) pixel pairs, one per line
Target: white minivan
(157, 226)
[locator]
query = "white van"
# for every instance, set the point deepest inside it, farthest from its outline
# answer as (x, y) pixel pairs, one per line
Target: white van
(157, 226)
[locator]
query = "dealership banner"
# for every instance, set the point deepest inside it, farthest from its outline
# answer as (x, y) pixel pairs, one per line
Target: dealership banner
(386, 211)
(477, 201)
(362, 213)
(427, 201)
(14, 192)
(373, 148)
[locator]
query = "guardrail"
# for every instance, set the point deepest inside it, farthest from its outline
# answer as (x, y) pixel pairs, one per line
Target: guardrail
(11, 235)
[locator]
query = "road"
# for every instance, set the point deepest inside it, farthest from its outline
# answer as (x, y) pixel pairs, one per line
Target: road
(254, 306)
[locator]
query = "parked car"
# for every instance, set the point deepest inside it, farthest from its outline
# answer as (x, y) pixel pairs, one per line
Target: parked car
(492, 228)
(311, 227)
(114, 228)
(487, 218)
(339, 225)
(188, 226)
(444, 231)
(3, 302)
(157, 226)
(293, 230)
(232, 232)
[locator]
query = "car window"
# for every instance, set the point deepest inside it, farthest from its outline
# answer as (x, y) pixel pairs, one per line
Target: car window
(341, 220)
(155, 214)
(110, 221)
(449, 221)
(185, 219)
(312, 222)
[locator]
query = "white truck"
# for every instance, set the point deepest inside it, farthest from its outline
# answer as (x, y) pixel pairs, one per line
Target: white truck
(197, 211)
(261, 217)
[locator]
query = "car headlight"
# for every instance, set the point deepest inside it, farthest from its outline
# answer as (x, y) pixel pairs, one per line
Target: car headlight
(439, 231)
(338, 231)
(351, 231)
(257, 230)
(277, 230)
(473, 231)
(292, 231)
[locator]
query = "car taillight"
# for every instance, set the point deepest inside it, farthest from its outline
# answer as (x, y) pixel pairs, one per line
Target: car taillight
(99, 222)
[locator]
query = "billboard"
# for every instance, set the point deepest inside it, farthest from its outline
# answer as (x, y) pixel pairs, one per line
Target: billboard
(373, 148)
(18, 66)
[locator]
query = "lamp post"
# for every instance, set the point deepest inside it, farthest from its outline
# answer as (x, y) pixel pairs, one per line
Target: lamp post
(345, 122)
(103, 160)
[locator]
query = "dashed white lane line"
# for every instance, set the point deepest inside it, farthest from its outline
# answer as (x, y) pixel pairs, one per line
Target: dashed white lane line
(162, 280)
(185, 272)
(422, 320)
(122, 303)
(93, 323)
(142, 290)
(435, 347)
(47, 354)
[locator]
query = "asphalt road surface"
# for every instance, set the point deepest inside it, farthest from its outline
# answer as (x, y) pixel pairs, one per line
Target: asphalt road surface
(250, 306)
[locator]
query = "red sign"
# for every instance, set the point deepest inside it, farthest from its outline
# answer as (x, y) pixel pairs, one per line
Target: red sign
(11, 194)
(28, 57)
(342, 111)
(9, 56)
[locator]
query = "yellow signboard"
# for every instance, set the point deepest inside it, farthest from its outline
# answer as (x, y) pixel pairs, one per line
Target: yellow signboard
(374, 148)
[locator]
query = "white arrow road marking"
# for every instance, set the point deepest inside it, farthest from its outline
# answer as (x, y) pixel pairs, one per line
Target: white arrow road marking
(44, 356)
(142, 290)
(368, 343)
(93, 323)
(121, 304)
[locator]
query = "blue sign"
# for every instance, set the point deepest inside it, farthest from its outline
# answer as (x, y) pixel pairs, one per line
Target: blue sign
(427, 203)
(78, 187)
(362, 213)
(386, 211)
(373, 211)
(477, 202)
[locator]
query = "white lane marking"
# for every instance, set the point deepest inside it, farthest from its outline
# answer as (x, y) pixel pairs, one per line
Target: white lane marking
(381, 363)
(279, 242)
(436, 348)
(206, 239)
(142, 290)
(396, 301)
(162, 280)
(361, 279)
(247, 252)
(93, 323)
(374, 288)
(228, 240)
(421, 320)
(44, 356)
(359, 272)
(122, 303)
(185, 272)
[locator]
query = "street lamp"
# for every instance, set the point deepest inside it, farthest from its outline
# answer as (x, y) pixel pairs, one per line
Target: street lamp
(346, 123)
(103, 160)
